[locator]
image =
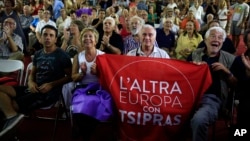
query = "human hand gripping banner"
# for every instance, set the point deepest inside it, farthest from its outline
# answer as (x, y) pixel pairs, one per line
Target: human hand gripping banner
(154, 97)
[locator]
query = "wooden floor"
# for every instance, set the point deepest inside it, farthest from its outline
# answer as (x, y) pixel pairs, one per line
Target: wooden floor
(41, 130)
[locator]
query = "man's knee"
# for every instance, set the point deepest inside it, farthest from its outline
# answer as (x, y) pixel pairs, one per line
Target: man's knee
(197, 120)
(9, 90)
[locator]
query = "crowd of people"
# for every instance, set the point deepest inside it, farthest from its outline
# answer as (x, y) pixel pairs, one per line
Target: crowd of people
(198, 31)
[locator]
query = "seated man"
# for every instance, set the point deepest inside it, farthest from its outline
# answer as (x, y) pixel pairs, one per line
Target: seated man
(45, 21)
(51, 69)
(61, 21)
(215, 97)
(132, 41)
(26, 19)
(227, 46)
(147, 37)
(11, 45)
(165, 37)
(32, 34)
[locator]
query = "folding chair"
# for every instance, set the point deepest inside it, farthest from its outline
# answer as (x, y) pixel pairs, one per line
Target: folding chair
(228, 117)
(61, 104)
(8, 66)
(28, 69)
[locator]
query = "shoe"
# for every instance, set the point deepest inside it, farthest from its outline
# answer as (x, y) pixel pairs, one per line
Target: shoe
(11, 124)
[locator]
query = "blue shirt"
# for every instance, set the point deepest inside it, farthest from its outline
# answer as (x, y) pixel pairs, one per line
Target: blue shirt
(130, 43)
(34, 22)
(58, 5)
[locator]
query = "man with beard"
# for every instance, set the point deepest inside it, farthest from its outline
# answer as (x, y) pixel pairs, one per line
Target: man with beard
(214, 99)
(132, 41)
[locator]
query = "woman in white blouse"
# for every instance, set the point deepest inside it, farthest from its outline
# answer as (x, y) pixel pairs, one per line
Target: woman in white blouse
(223, 13)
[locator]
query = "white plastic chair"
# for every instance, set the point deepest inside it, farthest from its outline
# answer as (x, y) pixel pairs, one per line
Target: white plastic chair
(60, 101)
(25, 83)
(28, 69)
(8, 66)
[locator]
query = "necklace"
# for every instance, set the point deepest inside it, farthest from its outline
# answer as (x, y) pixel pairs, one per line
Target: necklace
(90, 57)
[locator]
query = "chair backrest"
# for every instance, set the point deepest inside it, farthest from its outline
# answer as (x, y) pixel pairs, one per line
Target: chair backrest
(8, 66)
(28, 69)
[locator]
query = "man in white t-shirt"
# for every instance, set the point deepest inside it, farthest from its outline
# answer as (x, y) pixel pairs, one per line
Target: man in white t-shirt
(46, 21)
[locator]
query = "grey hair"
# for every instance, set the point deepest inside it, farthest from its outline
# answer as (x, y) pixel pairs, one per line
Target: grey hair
(148, 26)
(111, 19)
(142, 22)
(167, 19)
(12, 20)
(217, 28)
(210, 15)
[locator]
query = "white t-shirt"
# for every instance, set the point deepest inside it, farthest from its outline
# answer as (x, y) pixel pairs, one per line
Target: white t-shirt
(42, 23)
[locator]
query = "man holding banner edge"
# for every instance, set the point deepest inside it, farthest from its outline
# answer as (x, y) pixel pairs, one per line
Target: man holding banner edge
(147, 37)
(215, 97)
(152, 107)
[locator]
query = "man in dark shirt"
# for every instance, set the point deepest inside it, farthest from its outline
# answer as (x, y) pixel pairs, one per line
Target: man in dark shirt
(26, 19)
(241, 70)
(51, 69)
(109, 41)
(211, 8)
(97, 23)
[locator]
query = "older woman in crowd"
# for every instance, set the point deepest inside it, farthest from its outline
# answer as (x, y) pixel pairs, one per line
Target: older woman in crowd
(72, 45)
(83, 73)
(190, 16)
(187, 41)
(71, 38)
(84, 68)
(223, 13)
(110, 42)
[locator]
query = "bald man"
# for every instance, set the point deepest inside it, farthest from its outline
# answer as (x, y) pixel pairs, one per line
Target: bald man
(11, 45)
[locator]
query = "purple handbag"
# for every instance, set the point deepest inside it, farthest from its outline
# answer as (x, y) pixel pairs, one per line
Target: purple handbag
(93, 101)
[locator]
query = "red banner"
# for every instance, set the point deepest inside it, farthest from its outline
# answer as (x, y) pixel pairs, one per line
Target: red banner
(154, 97)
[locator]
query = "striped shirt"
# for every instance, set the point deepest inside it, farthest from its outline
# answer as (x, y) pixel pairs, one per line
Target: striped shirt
(5, 51)
(130, 43)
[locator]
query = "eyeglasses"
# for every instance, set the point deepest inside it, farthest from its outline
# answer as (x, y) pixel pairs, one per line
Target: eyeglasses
(169, 22)
(7, 22)
(213, 37)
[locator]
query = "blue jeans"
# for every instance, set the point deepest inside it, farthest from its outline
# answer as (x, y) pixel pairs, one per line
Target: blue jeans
(205, 115)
